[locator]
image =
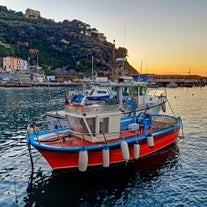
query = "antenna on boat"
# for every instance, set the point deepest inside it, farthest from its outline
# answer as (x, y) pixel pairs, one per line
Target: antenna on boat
(113, 61)
(146, 65)
(189, 71)
(141, 66)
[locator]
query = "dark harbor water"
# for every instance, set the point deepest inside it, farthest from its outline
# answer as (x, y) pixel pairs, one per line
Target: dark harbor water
(176, 176)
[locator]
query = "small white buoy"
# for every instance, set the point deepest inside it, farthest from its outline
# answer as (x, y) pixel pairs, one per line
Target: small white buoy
(136, 150)
(150, 140)
(105, 154)
(125, 150)
(83, 160)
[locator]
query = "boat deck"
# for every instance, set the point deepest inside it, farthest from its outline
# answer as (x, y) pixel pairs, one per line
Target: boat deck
(67, 139)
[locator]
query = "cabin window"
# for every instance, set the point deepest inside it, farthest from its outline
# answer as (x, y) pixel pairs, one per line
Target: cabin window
(135, 92)
(143, 90)
(91, 124)
(125, 91)
(77, 124)
(101, 92)
(103, 125)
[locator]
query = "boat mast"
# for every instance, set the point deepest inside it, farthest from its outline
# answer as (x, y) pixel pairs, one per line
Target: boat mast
(113, 61)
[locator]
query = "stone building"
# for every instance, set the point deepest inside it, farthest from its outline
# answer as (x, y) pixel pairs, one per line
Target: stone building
(101, 37)
(32, 14)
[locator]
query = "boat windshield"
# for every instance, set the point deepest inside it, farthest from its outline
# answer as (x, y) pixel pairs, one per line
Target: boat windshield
(78, 124)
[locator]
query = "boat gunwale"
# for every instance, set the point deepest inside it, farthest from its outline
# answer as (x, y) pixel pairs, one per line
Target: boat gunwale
(32, 138)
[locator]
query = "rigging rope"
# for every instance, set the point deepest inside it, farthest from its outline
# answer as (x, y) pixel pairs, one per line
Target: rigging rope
(183, 136)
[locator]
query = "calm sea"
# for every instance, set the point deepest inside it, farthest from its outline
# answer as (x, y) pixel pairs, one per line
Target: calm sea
(173, 177)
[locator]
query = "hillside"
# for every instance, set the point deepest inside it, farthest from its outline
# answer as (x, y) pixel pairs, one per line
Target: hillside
(69, 45)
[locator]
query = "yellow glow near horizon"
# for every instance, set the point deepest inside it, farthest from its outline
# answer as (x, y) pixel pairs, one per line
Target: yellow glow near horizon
(164, 68)
(162, 57)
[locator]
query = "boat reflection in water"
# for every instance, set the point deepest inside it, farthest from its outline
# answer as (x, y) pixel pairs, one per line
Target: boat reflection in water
(100, 186)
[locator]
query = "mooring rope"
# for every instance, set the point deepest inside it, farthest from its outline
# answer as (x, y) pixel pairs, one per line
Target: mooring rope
(183, 136)
(171, 108)
(182, 129)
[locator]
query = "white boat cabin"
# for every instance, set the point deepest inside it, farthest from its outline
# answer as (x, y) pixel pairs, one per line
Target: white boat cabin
(95, 123)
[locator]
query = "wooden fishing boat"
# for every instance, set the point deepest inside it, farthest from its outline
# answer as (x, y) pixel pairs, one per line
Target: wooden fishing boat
(100, 135)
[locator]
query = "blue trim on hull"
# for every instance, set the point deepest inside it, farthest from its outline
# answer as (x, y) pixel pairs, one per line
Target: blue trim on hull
(34, 142)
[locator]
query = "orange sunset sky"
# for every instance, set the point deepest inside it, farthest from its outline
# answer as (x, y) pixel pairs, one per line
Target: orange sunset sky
(162, 36)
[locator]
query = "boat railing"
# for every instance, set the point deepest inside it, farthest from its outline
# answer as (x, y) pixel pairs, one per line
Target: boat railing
(60, 139)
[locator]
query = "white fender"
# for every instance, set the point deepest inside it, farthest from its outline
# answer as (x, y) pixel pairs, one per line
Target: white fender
(105, 156)
(83, 160)
(125, 150)
(150, 140)
(136, 150)
(164, 107)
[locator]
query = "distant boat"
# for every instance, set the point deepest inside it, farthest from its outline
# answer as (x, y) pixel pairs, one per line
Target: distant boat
(97, 93)
(152, 85)
(172, 85)
(187, 84)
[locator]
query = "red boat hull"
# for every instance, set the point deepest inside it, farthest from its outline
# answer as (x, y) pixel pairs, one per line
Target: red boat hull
(69, 159)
